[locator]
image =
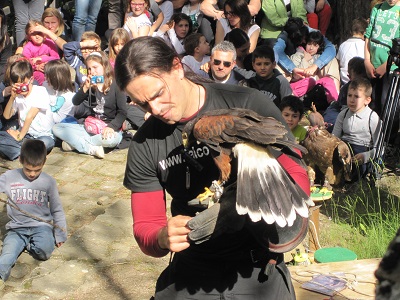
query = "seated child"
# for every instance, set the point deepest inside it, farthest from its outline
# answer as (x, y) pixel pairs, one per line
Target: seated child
(352, 47)
(75, 53)
(356, 69)
(175, 32)
(119, 37)
(359, 126)
(5, 94)
(32, 104)
(197, 52)
(292, 109)
(267, 79)
(137, 22)
(304, 58)
(61, 90)
(39, 238)
(39, 50)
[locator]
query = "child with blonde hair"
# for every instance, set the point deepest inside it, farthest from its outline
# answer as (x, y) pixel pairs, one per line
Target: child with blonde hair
(75, 53)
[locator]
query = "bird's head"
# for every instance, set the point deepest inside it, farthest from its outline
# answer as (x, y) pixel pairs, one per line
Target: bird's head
(345, 157)
(187, 132)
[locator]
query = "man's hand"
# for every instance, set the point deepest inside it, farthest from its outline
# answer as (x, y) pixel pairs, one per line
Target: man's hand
(174, 236)
(206, 67)
(59, 244)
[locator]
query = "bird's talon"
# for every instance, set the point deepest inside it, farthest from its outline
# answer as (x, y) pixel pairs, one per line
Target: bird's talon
(204, 196)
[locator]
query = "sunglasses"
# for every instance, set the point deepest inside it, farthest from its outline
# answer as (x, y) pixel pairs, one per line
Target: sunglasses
(229, 13)
(87, 50)
(137, 4)
(226, 64)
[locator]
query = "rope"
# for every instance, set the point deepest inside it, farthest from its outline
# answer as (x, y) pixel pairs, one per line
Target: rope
(15, 206)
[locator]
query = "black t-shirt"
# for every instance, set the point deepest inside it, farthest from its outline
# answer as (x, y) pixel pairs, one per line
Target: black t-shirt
(155, 161)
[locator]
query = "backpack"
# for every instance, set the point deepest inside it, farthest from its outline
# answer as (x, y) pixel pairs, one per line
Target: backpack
(316, 95)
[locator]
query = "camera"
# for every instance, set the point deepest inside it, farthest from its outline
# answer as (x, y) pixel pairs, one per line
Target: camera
(97, 79)
(395, 51)
(24, 87)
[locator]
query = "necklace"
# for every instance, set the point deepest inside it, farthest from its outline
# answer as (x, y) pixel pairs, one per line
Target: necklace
(185, 141)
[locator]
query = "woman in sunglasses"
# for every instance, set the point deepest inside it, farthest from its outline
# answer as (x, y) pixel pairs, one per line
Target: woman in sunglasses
(237, 15)
(223, 267)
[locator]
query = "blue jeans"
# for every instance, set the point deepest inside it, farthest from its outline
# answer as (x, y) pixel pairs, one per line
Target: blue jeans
(85, 19)
(38, 241)
(24, 12)
(77, 137)
(11, 148)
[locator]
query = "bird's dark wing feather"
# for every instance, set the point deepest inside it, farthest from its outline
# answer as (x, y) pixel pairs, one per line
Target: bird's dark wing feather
(234, 126)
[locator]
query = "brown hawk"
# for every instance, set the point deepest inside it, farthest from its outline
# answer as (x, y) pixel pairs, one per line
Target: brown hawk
(264, 189)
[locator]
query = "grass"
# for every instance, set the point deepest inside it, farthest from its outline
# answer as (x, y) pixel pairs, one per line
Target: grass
(364, 221)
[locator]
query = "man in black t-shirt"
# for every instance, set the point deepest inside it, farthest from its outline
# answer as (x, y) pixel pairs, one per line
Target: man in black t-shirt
(234, 264)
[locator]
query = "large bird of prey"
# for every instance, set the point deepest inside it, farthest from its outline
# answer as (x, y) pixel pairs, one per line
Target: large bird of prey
(264, 189)
(329, 154)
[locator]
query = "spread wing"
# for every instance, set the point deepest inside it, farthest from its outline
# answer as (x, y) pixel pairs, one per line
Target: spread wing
(264, 190)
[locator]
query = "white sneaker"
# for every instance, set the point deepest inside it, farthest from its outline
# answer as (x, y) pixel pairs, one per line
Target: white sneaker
(67, 147)
(97, 151)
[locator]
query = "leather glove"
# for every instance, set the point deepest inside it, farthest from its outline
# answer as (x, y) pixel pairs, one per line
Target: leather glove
(218, 219)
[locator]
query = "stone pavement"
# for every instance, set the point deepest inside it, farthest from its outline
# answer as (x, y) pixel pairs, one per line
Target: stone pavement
(101, 259)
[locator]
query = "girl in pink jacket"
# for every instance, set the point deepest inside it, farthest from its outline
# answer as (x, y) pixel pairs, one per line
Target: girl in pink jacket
(39, 50)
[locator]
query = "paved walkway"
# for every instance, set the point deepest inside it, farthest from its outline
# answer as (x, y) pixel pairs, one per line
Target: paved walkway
(101, 259)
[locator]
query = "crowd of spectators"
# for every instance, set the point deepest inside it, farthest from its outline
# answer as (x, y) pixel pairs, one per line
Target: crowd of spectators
(276, 46)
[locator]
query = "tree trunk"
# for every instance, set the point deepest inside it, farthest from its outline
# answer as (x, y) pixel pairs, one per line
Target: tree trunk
(346, 12)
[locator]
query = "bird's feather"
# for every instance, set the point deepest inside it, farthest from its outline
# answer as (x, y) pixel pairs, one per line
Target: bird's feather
(264, 190)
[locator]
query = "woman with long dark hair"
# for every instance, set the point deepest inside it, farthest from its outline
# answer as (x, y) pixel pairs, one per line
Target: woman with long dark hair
(237, 15)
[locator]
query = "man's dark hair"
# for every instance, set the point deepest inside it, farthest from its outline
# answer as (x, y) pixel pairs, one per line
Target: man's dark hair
(33, 153)
(356, 65)
(192, 41)
(294, 103)
(359, 26)
(20, 70)
(263, 51)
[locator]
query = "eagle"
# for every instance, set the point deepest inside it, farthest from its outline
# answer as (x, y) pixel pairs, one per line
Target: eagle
(329, 154)
(264, 190)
